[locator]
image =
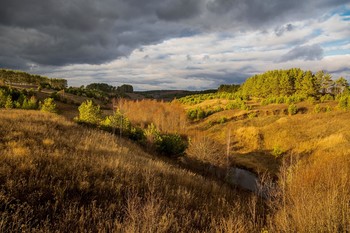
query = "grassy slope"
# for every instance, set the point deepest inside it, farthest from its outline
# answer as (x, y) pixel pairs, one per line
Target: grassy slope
(313, 193)
(58, 176)
(253, 140)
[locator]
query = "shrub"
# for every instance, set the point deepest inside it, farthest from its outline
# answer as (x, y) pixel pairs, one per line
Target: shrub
(3, 98)
(344, 102)
(280, 100)
(172, 145)
(317, 108)
(89, 113)
(311, 100)
(232, 105)
(49, 105)
(326, 97)
(292, 109)
(152, 133)
(137, 134)
(9, 103)
(277, 151)
(252, 115)
(117, 120)
(222, 120)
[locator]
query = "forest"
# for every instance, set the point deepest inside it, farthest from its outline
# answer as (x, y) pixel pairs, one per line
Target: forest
(294, 81)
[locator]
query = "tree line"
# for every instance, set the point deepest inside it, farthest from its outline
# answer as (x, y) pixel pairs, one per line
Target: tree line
(293, 81)
(23, 99)
(18, 77)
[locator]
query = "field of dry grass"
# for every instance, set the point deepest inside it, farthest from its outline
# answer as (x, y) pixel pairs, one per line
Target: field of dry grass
(58, 176)
(167, 117)
(309, 153)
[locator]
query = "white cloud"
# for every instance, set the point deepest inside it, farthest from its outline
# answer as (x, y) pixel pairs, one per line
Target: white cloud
(209, 59)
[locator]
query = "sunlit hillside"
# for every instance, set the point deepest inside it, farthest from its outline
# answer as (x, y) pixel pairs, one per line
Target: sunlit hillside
(58, 176)
(261, 137)
(181, 166)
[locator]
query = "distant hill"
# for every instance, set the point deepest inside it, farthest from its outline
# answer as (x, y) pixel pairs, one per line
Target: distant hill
(23, 78)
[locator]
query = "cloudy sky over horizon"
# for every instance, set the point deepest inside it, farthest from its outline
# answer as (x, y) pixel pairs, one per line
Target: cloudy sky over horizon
(173, 44)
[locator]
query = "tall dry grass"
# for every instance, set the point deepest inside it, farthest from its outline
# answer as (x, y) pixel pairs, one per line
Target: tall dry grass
(314, 196)
(167, 117)
(313, 191)
(57, 176)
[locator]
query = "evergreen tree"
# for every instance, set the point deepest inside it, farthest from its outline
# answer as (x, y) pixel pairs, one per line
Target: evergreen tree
(327, 84)
(308, 85)
(340, 85)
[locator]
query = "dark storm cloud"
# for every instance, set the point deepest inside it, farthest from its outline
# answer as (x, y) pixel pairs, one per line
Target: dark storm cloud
(279, 31)
(176, 10)
(307, 53)
(254, 14)
(61, 32)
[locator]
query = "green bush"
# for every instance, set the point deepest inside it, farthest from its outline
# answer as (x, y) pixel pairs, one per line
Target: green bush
(344, 102)
(117, 120)
(9, 103)
(252, 115)
(317, 108)
(311, 100)
(89, 113)
(3, 98)
(326, 97)
(292, 109)
(222, 120)
(137, 134)
(172, 145)
(277, 151)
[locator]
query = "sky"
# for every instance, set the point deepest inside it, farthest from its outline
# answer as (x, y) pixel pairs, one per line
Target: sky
(173, 44)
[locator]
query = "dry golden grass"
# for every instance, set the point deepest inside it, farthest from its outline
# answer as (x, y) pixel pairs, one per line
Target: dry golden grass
(314, 196)
(57, 176)
(167, 117)
(255, 140)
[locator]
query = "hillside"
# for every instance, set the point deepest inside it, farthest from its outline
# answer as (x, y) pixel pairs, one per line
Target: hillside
(171, 167)
(262, 137)
(58, 176)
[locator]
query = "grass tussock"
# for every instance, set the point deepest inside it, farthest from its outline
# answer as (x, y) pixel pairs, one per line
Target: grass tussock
(58, 176)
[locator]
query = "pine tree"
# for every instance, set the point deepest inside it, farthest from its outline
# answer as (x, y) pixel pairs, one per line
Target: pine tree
(340, 85)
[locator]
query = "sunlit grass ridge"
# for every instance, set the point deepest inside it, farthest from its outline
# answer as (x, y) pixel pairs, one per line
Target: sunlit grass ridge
(59, 176)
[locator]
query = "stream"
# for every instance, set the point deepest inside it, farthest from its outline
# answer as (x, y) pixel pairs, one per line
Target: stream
(248, 180)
